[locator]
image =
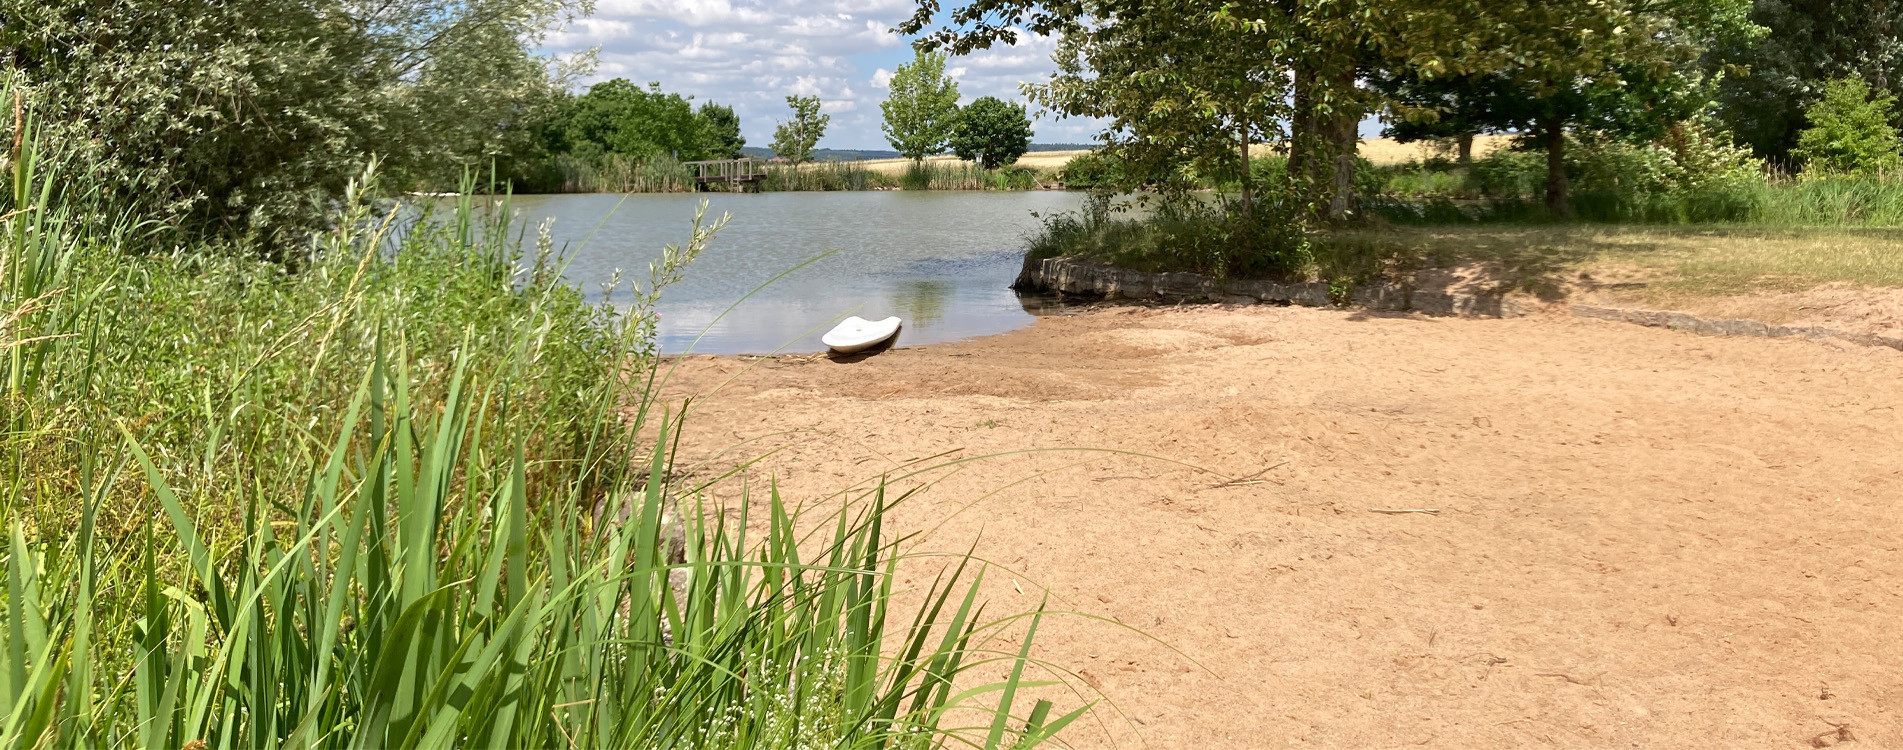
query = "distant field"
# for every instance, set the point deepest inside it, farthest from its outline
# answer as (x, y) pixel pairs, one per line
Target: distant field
(1035, 160)
(1377, 150)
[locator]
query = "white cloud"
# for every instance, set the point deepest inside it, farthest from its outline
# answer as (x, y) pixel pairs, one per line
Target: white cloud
(882, 79)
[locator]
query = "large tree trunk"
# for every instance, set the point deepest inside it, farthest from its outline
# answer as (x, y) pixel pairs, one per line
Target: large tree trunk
(1301, 127)
(1344, 125)
(1466, 150)
(1558, 198)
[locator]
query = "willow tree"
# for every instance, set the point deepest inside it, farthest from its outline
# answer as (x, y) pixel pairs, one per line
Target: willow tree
(247, 118)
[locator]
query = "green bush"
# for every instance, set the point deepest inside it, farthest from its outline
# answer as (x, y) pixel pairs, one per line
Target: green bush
(1092, 170)
(1850, 132)
(1693, 175)
(1195, 236)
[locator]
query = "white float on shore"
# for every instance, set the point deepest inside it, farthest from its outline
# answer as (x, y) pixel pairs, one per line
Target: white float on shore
(856, 334)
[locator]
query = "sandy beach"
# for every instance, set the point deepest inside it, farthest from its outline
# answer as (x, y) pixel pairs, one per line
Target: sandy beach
(1350, 529)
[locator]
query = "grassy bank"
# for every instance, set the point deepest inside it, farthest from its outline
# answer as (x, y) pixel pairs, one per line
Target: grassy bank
(414, 490)
(1648, 264)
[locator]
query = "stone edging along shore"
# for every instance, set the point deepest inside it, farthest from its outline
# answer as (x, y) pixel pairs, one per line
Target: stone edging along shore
(1074, 276)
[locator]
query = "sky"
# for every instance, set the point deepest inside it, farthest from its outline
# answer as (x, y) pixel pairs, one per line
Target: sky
(751, 55)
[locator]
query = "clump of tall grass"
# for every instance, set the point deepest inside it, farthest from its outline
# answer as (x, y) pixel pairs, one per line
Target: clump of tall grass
(1190, 235)
(613, 173)
(823, 176)
(963, 175)
(420, 592)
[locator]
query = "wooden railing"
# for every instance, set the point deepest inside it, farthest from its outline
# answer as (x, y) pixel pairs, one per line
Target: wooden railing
(728, 171)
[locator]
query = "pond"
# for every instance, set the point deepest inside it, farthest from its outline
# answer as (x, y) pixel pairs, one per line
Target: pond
(941, 260)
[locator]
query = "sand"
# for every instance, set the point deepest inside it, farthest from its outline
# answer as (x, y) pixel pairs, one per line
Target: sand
(1644, 538)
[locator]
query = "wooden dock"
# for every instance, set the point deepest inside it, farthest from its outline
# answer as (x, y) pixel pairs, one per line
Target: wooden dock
(736, 174)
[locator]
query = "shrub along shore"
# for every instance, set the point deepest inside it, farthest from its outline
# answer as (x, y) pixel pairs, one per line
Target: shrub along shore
(1702, 182)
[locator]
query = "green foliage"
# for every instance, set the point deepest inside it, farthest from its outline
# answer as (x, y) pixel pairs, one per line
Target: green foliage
(246, 119)
(1695, 174)
(1185, 86)
(1181, 87)
(921, 107)
(618, 117)
(1767, 81)
(823, 176)
(964, 176)
(795, 139)
(1850, 131)
(723, 129)
(1190, 236)
(419, 493)
(1095, 170)
(991, 132)
(611, 173)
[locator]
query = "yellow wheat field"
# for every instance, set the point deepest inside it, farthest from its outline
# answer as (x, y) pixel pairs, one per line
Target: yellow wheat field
(1378, 150)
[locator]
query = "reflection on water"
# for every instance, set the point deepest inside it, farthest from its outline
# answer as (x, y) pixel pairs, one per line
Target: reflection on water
(943, 261)
(922, 300)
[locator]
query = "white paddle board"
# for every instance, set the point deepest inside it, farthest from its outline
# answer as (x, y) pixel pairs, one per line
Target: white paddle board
(856, 334)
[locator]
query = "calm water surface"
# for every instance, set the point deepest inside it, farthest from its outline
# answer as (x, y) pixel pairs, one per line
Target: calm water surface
(943, 261)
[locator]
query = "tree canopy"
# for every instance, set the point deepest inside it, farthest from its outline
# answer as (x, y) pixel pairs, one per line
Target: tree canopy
(921, 108)
(991, 132)
(616, 116)
(246, 118)
(1767, 81)
(1850, 131)
(1201, 77)
(723, 131)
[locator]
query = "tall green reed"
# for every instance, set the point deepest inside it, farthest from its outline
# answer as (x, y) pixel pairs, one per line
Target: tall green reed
(420, 593)
(965, 176)
(615, 173)
(823, 176)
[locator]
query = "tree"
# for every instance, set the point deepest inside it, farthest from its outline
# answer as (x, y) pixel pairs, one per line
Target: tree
(723, 131)
(991, 132)
(1325, 48)
(1850, 131)
(1244, 66)
(247, 118)
(1173, 111)
(921, 108)
(1767, 81)
(1628, 72)
(1449, 107)
(795, 139)
(618, 117)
